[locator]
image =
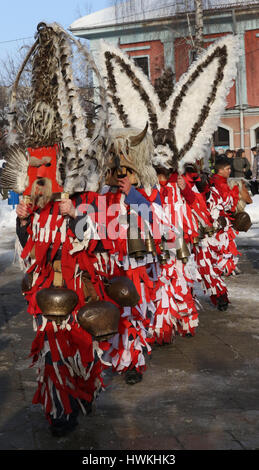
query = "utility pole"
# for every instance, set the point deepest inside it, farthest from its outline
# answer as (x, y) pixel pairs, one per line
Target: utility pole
(240, 105)
(199, 47)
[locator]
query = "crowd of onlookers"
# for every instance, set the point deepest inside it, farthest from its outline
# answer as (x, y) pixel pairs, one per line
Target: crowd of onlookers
(241, 166)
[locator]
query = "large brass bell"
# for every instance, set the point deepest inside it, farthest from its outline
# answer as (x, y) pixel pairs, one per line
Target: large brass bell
(136, 245)
(182, 250)
(99, 318)
(164, 256)
(26, 283)
(241, 221)
(56, 303)
(123, 291)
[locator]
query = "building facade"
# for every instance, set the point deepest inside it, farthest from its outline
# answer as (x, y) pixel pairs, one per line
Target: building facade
(160, 37)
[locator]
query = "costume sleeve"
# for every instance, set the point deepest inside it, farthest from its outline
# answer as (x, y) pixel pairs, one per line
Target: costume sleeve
(85, 206)
(188, 194)
(235, 196)
(21, 231)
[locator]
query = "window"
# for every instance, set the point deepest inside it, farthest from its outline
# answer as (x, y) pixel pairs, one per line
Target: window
(221, 137)
(143, 63)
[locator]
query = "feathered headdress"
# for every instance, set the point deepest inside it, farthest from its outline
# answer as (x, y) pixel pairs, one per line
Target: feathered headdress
(55, 115)
(183, 123)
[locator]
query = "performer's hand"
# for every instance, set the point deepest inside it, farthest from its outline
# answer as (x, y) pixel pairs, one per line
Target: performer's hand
(124, 185)
(181, 182)
(22, 210)
(67, 208)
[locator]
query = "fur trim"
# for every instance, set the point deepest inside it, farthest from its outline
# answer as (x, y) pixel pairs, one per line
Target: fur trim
(138, 156)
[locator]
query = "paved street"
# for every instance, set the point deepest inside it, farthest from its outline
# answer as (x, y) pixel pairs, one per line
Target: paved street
(198, 393)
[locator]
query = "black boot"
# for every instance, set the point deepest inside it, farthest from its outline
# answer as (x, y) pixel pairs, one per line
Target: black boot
(62, 427)
(222, 303)
(132, 377)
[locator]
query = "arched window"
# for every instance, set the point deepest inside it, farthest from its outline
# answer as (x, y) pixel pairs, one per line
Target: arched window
(254, 138)
(143, 63)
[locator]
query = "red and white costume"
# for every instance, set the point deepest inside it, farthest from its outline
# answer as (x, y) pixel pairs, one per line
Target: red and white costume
(67, 357)
(176, 311)
(206, 262)
(126, 348)
(222, 202)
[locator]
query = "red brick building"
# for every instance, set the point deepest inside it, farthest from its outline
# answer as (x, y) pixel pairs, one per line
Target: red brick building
(157, 37)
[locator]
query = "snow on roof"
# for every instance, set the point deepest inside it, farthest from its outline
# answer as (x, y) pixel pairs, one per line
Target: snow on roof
(141, 10)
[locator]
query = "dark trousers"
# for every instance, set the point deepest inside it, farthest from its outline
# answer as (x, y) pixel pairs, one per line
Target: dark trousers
(254, 186)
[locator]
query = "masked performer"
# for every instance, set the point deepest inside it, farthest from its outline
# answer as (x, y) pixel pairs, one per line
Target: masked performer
(222, 203)
(53, 159)
(122, 255)
(196, 188)
(179, 136)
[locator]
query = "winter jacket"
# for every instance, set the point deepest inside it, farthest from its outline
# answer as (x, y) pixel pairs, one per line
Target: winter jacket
(240, 164)
(256, 167)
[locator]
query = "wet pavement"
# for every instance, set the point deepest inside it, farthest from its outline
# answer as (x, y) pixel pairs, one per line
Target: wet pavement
(199, 393)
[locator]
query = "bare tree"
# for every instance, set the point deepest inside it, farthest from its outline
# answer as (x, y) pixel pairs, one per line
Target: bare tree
(84, 10)
(9, 69)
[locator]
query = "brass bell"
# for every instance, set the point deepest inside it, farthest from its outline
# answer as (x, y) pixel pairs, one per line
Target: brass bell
(200, 235)
(182, 250)
(164, 256)
(123, 291)
(99, 318)
(150, 245)
(56, 303)
(241, 221)
(196, 240)
(26, 283)
(136, 245)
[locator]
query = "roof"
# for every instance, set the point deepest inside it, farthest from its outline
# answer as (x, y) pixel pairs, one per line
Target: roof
(141, 10)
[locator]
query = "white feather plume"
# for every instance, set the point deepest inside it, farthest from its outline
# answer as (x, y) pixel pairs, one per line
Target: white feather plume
(194, 88)
(15, 172)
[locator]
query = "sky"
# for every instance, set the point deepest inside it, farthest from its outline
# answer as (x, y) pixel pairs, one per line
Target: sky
(19, 19)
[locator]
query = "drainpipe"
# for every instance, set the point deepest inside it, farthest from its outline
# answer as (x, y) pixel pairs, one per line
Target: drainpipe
(241, 108)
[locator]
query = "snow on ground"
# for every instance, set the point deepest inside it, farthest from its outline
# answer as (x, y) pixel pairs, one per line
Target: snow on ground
(7, 216)
(251, 237)
(7, 232)
(253, 209)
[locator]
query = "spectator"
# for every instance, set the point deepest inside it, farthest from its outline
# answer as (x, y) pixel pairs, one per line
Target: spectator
(241, 165)
(255, 171)
(212, 159)
(229, 154)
